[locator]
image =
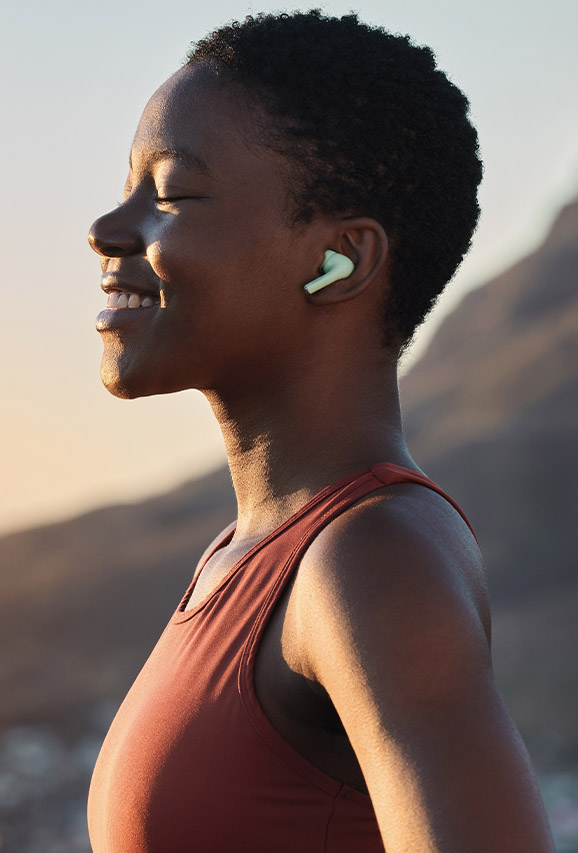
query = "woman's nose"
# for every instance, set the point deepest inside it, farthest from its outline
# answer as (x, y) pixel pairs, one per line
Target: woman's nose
(113, 237)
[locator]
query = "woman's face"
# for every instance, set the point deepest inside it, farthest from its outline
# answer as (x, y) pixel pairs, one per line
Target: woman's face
(202, 249)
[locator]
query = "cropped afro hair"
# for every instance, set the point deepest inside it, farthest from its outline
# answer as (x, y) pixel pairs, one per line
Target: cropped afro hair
(374, 129)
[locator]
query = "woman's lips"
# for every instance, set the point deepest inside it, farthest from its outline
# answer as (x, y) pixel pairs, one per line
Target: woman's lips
(125, 299)
(123, 307)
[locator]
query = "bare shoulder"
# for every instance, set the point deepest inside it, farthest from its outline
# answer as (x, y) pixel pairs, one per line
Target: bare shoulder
(394, 541)
(400, 569)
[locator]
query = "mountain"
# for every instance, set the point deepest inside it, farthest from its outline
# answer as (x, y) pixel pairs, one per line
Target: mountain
(83, 601)
(490, 412)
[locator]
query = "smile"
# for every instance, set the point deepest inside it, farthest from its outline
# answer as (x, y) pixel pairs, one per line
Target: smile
(124, 308)
(126, 299)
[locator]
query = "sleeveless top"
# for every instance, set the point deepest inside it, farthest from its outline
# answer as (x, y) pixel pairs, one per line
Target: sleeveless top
(191, 764)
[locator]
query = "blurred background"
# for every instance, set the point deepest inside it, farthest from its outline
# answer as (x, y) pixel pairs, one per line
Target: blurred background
(99, 495)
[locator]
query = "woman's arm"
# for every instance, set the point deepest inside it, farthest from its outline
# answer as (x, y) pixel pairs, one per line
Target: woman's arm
(389, 609)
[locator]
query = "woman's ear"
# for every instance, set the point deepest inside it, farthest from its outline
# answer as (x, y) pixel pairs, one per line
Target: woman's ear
(364, 242)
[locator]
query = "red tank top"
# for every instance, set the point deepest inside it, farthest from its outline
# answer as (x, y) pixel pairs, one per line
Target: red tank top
(191, 763)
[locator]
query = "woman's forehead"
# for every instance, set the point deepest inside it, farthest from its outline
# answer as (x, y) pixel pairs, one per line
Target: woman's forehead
(193, 102)
(207, 122)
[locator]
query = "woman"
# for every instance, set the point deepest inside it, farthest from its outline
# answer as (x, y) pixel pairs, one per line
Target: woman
(299, 194)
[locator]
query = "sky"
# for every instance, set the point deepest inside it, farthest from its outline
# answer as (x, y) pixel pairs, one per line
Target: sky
(74, 78)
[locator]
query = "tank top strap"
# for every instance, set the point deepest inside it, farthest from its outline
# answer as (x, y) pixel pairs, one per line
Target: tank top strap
(391, 474)
(302, 527)
(298, 532)
(290, 541)
(287, 543)
(337, 498)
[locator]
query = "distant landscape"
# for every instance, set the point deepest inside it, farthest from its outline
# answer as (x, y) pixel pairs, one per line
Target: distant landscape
(491, 413)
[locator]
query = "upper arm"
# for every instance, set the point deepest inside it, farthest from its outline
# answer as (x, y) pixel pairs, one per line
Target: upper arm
(391, 623)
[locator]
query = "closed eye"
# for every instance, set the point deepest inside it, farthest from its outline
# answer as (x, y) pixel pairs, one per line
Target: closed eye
(173, 198)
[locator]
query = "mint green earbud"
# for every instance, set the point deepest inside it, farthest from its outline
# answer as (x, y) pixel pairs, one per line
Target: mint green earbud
(335, 266)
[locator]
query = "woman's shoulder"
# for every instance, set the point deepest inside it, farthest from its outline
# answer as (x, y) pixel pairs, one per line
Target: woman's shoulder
(402, 554)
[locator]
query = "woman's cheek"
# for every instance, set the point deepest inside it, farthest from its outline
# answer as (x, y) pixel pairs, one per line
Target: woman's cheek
(167, 263)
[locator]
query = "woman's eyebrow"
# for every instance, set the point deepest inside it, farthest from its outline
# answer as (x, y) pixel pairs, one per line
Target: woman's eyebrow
(181, 155)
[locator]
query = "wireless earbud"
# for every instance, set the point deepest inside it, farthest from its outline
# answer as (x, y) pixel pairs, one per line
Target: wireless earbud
(335, 266)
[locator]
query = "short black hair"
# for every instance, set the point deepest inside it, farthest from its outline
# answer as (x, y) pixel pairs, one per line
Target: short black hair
(375, 129)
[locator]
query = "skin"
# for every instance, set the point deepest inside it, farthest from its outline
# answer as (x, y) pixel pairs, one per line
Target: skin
(376, 664)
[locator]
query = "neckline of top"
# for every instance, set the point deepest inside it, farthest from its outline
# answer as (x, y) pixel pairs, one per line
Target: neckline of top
(182, 615)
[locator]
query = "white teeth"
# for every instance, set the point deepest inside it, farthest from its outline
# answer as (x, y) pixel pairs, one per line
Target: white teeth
(124, 299)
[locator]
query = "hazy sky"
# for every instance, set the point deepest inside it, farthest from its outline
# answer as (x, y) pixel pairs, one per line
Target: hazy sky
(75, 76)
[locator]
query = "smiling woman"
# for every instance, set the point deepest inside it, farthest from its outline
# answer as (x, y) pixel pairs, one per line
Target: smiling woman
(325, 684)
(203, 232)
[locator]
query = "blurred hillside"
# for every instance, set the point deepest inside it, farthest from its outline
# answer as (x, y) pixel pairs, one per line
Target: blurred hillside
(490, 412)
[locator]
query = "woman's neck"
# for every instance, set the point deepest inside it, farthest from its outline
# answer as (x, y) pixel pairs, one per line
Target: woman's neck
(285, 443)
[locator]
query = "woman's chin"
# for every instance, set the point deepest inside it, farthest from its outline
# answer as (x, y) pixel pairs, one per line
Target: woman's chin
(120, 381)
(116, 387)
(129, 380)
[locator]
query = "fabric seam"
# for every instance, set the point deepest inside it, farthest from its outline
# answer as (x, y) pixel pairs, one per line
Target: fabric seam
(330, 818)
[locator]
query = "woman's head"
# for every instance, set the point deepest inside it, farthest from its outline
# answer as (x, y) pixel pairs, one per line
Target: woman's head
(373, 128)
(281, 138)
(204, 244)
